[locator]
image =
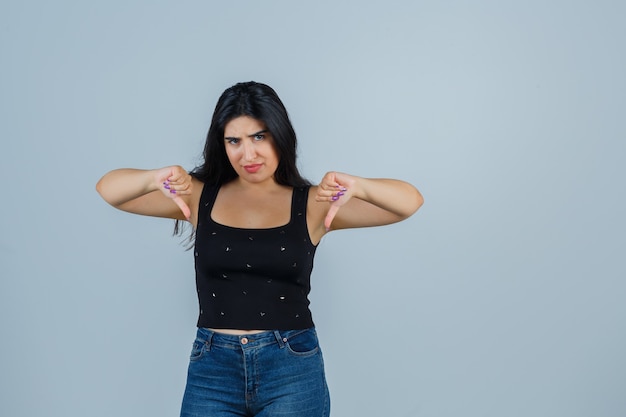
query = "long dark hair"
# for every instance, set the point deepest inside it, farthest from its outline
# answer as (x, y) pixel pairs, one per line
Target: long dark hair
(260, 102)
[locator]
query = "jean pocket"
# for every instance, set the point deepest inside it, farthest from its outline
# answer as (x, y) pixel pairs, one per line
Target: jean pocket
(304, 343)
(198, 349)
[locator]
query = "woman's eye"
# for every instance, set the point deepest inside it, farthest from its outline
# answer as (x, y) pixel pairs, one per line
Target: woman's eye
(259, 137)
(232, 141)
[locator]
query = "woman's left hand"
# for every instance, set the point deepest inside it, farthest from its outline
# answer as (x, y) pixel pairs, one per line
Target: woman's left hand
(337, 189)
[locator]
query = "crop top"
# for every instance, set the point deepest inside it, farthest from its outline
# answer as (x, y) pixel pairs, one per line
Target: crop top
(253, 278)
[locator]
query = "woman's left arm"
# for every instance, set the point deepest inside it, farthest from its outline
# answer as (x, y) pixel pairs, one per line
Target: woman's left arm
(362, 202)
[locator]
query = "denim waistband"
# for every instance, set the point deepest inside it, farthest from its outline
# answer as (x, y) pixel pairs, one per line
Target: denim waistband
(247, 341)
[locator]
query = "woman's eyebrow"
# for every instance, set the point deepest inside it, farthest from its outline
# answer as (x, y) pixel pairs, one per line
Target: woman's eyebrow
(260, 132)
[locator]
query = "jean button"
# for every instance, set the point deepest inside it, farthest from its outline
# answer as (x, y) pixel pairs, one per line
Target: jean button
(244, 340)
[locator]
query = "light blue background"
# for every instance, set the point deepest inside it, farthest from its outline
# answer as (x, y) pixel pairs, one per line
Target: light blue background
(503, 296)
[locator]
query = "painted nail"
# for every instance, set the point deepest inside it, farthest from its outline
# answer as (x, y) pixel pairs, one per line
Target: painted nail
(340, 193)
(166, 186)
(173, 191)
(335, 198)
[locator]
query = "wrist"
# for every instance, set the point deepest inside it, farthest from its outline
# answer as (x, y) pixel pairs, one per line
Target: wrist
(359, 188)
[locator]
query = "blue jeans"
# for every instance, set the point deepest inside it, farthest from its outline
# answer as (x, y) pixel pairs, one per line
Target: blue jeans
(273, 373)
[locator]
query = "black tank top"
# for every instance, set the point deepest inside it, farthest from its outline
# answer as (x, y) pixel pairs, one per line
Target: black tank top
(253, 278)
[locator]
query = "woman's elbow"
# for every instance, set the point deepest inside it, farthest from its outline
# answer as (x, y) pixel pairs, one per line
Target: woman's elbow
(99, 187)
(104, 191)
(415, 202)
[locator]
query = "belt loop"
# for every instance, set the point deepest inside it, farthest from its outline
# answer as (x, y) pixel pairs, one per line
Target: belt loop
(281, 341)
(209, 340)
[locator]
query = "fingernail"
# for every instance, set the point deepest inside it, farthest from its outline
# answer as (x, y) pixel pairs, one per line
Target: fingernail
(172, 191)
(167, 187)
(335, 198)
(340, 193)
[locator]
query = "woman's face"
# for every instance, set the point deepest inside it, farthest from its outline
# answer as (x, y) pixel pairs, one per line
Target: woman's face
(250, 149)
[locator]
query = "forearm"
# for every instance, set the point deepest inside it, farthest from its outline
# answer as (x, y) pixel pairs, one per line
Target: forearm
(397, 197)
(123, 185)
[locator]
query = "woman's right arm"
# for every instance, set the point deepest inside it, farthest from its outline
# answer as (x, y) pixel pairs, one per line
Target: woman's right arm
(166, 192)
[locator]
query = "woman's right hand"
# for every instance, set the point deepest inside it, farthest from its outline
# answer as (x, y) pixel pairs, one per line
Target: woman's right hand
(174, 182)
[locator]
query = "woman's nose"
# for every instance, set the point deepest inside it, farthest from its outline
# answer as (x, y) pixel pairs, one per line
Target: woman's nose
(249, 152)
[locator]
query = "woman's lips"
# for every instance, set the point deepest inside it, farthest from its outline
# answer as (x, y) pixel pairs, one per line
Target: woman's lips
(252, 168)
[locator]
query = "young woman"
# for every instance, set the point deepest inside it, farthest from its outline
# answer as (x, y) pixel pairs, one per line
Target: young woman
(257, 223)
